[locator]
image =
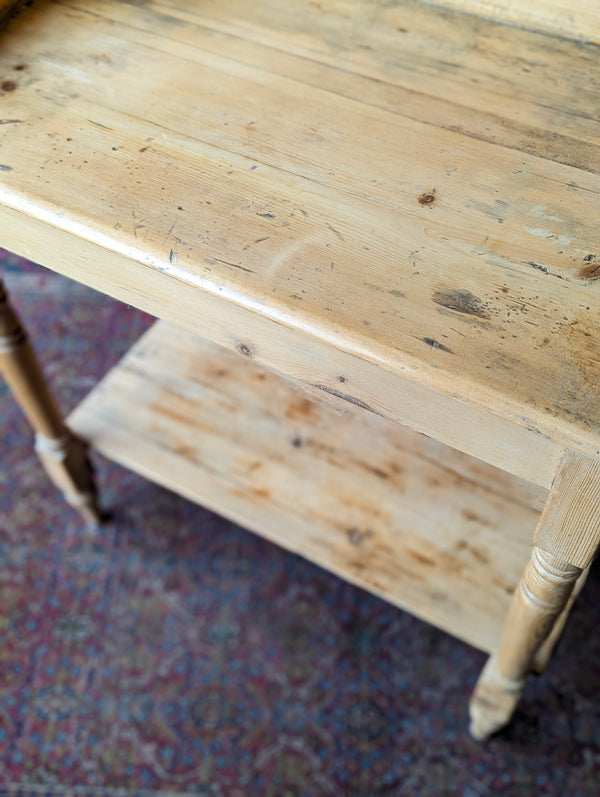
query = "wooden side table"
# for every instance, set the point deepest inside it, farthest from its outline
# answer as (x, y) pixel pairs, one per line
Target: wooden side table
(371, 234)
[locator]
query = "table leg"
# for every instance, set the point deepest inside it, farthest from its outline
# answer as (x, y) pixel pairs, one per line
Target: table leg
(63, 455)
(565, 542)
(544, 652)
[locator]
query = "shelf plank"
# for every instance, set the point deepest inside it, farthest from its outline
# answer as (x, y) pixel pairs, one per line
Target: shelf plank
(430, 529)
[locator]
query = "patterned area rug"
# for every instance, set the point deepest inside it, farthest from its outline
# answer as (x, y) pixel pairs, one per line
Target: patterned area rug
(172, 652)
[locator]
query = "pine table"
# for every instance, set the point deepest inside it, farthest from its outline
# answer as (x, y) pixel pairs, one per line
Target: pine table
(370, 233)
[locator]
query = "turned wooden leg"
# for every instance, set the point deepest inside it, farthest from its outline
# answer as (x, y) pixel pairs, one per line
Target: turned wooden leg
(565, 542)
(63, 455)
(544, 652)
(540, 599)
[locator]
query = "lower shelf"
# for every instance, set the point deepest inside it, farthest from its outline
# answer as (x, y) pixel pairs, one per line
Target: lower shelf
(431, 530)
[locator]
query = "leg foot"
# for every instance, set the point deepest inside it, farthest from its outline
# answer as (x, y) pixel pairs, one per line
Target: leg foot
(493, 701)
(540, 598)
(66, 462)
(565, 542)
(63, 455)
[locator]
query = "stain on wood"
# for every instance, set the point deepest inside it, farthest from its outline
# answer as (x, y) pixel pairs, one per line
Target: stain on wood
(461, 301)
(591, 271)
(346, 397)
(245, 349)
(435, 344)
(357, 537)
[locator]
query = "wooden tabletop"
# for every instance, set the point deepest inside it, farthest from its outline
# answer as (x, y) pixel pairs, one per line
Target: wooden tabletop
(405, 186)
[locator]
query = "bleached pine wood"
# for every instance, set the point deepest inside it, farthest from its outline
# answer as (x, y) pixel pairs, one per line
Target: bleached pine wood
(404, 193)
(566, 540)
(422, 525)
(541, 597)
(579, 20)
(394, 204)
(63, 455)
(544, 652)
(570, 523)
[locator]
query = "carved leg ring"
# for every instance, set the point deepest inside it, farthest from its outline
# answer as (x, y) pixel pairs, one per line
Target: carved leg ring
(63, 455)
(540, 598)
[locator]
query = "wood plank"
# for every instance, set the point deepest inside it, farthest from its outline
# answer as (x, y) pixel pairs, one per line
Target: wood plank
(429, 529)
(452, 71)
(558, 17)
(285, 161)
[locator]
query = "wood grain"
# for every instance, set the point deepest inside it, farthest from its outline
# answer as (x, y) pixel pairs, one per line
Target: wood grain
(297, 353)
(264, 165)
(399, 514)
(557, 17)
(570, 524)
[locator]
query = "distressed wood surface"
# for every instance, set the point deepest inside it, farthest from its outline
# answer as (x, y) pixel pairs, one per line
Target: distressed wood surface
(423, 526)
(406, 192)
(580, 20)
